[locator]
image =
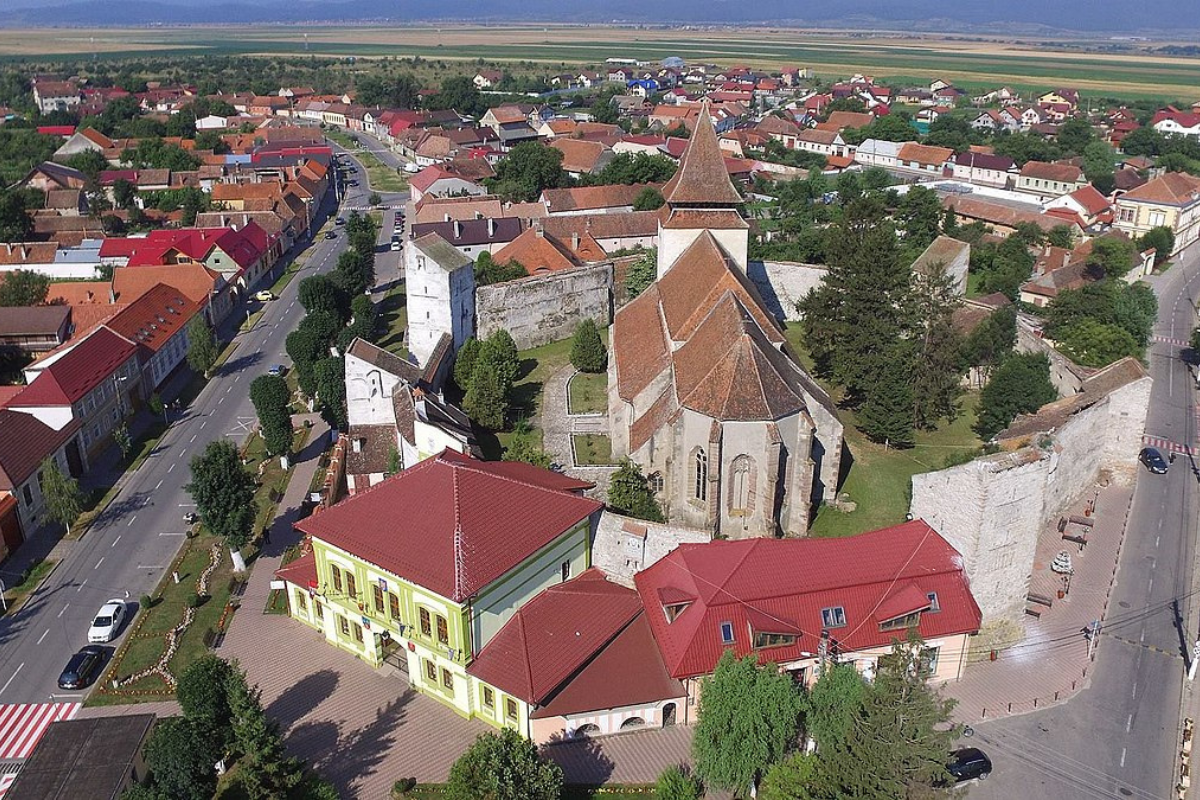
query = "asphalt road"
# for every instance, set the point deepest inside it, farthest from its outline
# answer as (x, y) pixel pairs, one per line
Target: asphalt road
(1117, 738)
(129, 547)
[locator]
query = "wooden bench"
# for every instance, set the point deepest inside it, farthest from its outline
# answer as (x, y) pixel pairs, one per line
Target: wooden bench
(1084, 522)
(1033, 612)
(1080, 539)
(1040, 599)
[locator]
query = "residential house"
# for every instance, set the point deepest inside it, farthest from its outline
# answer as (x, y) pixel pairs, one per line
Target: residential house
(487, 78)
(923, 158)
(438, 181)
(424, 570)
(609, 199)
(612, 232)
(1175, 122)
(1171, 200)
(205, 287)
(1002, 218)
(51, 95)
(847, 120)
(649, 144)
(950, 255)
(994, 121)
(32, 330)
(582, 157)
(1041, 290)
(984, 169)
(825, 142)
(783, 131)
(157, 323)
(83, 140)
(511, 125)
(878, 153)
(1060, 97)
(26, 443)
(541, 253)
(242, 256)
(1085, 204)
(48, 176)
(1049, 180)
(473, 236)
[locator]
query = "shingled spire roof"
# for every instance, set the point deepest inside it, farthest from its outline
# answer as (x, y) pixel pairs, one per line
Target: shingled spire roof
(702, 179)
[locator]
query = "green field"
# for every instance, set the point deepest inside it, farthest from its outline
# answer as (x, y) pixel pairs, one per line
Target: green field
(1133, 70)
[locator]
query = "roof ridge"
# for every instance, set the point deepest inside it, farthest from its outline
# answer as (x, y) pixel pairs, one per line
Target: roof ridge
(471, 465)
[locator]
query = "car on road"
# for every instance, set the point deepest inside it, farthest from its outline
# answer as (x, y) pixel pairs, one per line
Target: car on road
(340, 221)
(265, 296)
(396, 244)
(277, 371)
(107, 622)
(968, 764)
(354, 183)
(82, 668)
(1153, 460)
(330, 235)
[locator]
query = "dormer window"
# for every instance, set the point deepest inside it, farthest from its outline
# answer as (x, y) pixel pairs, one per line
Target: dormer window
(763, 639)
(901, 623)
(934, 607)
(833, 617)
(674, 610)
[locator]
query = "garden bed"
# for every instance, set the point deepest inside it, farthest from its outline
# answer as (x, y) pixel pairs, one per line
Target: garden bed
(592, 450)
(587, 393)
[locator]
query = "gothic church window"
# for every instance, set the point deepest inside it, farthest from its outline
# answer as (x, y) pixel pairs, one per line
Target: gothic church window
(699, 474)
(741, 485)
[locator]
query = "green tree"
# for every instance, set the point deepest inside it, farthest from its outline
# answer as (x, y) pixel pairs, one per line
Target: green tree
(400, 91)
(486, 401)
(224, 495)
(1144, 141)
(459, 93)
(641, 273)
(1099, 162)
(23, 287)
(202, 350)
(936, 372)
(357, 269)
(628, 169)
(330, 377)
(61, 493)
(500, 351)
(796, 777)
(374, 199)
(1010, 266)
(886, 415)
(833, 704)
(675, 784)
(270, 396)
(204, 699)
(897, 746)
(15, 223)
(503, 766)
(181, 760)
(1162, 239)
(489, 271)
(919, 218)
(318, 293)
(629, 493)
(648, 199)
(527, 170)
(123, 439)
(90, 162)
(990, 342)
(1112, 256)
(124, 193)
(1020, 385)
(1061, 236)
(588, 353)
(464, 362)
(523, 446)
(749, 719)
(1075, 135)
(1097, 344)
(265, 770)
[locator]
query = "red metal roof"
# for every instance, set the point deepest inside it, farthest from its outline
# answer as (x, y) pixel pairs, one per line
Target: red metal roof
(790, 581)
(554, 634)
(25, 444)
(155, 317)
(302, 571)
(453, 524)
(75, 374)
(245, 245)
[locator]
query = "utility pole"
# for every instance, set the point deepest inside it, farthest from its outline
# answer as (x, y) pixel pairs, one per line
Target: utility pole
(1195, 661)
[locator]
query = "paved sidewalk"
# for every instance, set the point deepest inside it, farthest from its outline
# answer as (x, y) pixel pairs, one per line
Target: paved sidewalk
(1050, 663)
(559, 425)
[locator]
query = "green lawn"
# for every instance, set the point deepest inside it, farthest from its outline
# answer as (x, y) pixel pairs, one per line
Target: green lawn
(392, 320)
(592, 450)
(31, 579)
(588, 393)
(380, 176)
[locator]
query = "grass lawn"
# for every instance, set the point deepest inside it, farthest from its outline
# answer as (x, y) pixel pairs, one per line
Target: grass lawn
(277, 598)
(32, 578)
(380, 176)
(592, 450)
(392, 320)
(587, 393)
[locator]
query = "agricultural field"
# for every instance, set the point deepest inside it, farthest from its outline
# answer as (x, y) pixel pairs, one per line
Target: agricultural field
(1024, 65)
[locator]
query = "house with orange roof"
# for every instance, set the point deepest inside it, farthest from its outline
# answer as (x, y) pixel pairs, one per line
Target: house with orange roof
(156, 323)
(537, 252)
(582, 157)
(1171, 200)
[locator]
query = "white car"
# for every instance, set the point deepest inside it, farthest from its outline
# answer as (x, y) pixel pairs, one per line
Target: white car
(107, 622)
(264, 296)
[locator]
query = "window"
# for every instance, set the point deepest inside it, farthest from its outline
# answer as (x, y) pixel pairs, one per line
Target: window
(834, 617)
(337, 577)
(319, 610)
(774, 640)
(443, 630)
(28, 495)
(489, 698)
(430, 671)
(564, 569)
(358, 634)
(933, 603)
(510, 708)
(929, 659)
(656, 482)
(1157, 219)
(350, 587)
(378, 592)
(394, 605)
(900, 623)
(426, 623)
(674, 610)
(344, 625)
(700, 474)
(726, 633)
(741, 485)
(301, 600)
(447, 679)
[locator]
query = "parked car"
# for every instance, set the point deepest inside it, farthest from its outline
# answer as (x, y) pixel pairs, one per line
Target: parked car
(1153, 460)
(265, 296)
(340, 221)
(107, 622)
(330, 235)
(277, 371)
(82, 668)
(354, 183)
(396, 244)
(968, 764)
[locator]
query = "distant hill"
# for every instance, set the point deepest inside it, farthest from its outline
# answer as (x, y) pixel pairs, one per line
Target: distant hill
(978, 16)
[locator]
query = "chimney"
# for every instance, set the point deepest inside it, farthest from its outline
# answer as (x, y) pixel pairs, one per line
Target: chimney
(538, 230)
(357, 444)
(491, 227)
(457, 230)
(575, 241)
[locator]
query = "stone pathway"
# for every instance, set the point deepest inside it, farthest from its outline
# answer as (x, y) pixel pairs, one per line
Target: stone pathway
(1050, 663)
(559, 425)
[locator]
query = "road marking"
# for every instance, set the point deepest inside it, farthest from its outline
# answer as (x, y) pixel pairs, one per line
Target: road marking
(98, 563)
(158, 486)
(1160, 522)
(1135, 691)
(114, 544)
(1150, 589)
(131, 519)
(165, 533)
(187, 505)
(10, 680)
(230, 389)
(150, 566)
(202, 424)
(183, 452)
(193, 438)
(43, 636)
(170, 468)
(1156, 538)
(1129, 723)
(64, 610)
(1122, 756)
(80, 587)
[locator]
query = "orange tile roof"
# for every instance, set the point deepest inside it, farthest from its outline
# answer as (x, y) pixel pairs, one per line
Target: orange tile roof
(1173, 188)
(537, 252)
(702, 177)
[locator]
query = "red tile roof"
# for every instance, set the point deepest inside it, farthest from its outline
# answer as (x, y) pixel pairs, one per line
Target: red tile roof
(301, 572)
(453, 524)
(702, 177)
(536, 251)
(789, 581)
(156, 316)
(77, 372)
(554, 634)
(1174, 188)
(244, 246)
(25, 444)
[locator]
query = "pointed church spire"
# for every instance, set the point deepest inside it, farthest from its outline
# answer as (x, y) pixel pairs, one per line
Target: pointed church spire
(702, 179)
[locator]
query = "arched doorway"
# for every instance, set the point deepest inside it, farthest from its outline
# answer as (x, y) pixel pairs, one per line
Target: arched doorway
(668, 714)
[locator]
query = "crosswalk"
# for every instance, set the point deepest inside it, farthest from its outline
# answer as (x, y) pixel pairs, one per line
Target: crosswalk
(1166, 445)
(374, 208)
(22, 726)
(1169, 340)
(6, 781)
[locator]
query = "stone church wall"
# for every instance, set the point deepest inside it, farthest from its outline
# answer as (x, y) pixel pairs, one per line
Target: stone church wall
(622, 551)
(545, 308)
(1064, 373)
(993, 508)
(783, 283)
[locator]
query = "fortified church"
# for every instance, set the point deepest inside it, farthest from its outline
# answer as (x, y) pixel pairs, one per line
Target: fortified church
(705, 394)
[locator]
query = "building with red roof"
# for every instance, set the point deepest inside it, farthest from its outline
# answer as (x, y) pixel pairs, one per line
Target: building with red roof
(426, 567)
(241, 255)
(793, 601)
(157, 324)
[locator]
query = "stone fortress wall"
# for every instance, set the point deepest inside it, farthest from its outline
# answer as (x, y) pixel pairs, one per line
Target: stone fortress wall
(545, 308)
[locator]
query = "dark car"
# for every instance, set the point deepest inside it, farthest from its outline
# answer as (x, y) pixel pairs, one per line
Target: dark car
(330, 235)
(969, 764)
(1153, 460)
(82, 669)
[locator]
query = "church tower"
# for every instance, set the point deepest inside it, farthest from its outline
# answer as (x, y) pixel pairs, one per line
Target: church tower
(701, 197)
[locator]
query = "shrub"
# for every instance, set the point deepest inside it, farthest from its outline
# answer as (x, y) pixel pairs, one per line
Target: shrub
(588, 353)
